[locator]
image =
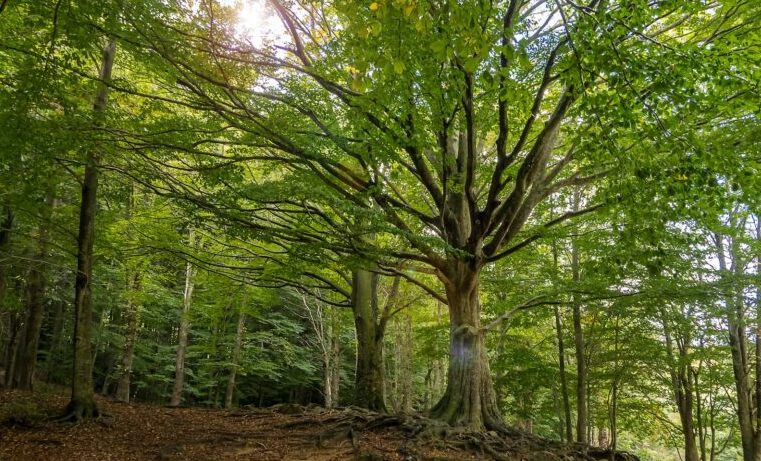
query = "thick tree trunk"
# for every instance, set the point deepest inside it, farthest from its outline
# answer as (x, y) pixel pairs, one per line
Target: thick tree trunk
(182, 342)
(131, 314)
(369, 378)
(82, 404)
(235, 359)
(469, 399)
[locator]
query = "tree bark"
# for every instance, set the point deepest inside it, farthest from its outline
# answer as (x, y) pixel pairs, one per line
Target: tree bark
(567, 424)
(36, 285)
(738, 347)
(469, 399)
(182, 342)
(131, 316)
(682, 388)
(56, 340)
(581, 361)
(370, 327)
(235, 359)
(6, 317)
(335, 359)
(82, 404)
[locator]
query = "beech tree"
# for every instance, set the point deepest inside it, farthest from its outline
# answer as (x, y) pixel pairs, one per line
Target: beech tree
(446, 123)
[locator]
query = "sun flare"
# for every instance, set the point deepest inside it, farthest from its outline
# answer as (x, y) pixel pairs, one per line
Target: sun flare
(257, 22)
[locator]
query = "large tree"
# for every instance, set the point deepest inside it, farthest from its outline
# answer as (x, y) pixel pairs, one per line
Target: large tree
(442, 125)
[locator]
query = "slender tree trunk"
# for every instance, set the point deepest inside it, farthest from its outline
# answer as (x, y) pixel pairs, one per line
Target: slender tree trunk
(36, 286)
(735, 321)
(699, 417)
(581, 362)
(131, 317)
(5, 316)
(56, 340)
(405, 378)
(469, 399)
(757, 378)
(11, 355)
(613, 415)
(182, 342)
(335, 359)
(369, 377)
(82, 404)
(235, 359)
(27, 351)
(682, 389)
(563, 380)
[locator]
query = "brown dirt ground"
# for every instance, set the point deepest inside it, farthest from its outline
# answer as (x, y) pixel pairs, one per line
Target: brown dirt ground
(146, 432)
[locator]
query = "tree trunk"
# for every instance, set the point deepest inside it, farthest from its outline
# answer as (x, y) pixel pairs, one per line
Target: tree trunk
(82, 404)
(581, 363)
(6, 317)
(369, 377)
(469, 399)
(54, 358)
(404, 358)
(682, 388)
(563, 380)
(235, 359)
(757, 434)
(182, 342)
(131, 314)
(27, 354)
(735, 321)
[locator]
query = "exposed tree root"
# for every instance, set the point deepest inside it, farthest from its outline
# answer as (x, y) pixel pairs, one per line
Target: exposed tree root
(421, 433)
(77, 412)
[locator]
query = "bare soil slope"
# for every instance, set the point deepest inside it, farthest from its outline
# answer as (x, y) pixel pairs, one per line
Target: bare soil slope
(286, 432)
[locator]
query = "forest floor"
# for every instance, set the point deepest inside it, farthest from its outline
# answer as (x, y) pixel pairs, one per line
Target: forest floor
(284, 432)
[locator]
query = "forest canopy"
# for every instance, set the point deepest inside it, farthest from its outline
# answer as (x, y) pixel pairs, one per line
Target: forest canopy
(540, 214)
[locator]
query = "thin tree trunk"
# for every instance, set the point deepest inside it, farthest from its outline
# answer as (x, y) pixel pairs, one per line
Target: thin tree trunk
(403, 363)
(55, 342)
(82, 404)
(5, 316)
(182, 342)
(563, 380)
(11, 354)
(335, 358)
(27, 353)
(735, 320)
(682, 389)
(131, 317)
(235, 359)
(757, 378)
(469, 399)
(581, 364)
(699, 417)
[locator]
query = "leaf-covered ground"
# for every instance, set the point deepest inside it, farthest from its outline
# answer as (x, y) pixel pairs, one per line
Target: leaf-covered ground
(286, 432)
